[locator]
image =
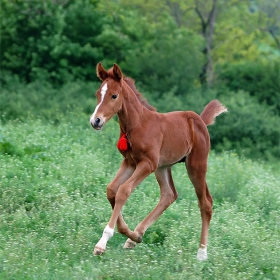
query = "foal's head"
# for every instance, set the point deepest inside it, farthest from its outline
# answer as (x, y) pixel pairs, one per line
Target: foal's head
(109, 95)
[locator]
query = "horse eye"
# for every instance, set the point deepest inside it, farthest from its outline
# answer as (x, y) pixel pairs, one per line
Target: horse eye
(114, 96)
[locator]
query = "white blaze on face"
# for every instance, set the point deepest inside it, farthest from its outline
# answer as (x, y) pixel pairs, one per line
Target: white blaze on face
(103, 92)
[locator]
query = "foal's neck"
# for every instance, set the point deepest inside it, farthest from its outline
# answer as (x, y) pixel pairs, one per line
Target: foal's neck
(131, 111)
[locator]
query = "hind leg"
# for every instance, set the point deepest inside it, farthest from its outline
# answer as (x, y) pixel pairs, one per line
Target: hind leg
(196, 164)
(168, 195)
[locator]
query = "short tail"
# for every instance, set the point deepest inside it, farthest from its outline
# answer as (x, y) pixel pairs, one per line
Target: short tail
(211, 111)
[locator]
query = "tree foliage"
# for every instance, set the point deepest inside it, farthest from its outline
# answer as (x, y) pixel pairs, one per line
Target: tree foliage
(53, 40)
(259, 79)
(49, 50)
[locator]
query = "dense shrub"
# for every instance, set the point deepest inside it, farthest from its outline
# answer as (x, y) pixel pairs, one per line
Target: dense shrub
(259, 79)
(163, 58)
(249, 128)
(41, 99)
(54, 41)
(63, 41)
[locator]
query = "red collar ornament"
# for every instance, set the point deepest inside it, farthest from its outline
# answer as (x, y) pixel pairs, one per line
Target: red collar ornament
(122, 144)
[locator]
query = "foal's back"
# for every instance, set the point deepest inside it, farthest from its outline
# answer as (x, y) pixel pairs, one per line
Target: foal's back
(174, 135)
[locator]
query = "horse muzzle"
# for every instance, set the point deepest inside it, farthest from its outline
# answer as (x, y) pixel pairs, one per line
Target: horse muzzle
(97, 123)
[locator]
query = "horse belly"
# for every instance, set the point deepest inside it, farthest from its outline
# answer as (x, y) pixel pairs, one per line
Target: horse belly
(174, 148)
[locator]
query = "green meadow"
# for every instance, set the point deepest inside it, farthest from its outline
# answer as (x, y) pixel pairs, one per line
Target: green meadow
(53, 209)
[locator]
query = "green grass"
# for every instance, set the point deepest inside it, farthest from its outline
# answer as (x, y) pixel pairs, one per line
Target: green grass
(53, 209)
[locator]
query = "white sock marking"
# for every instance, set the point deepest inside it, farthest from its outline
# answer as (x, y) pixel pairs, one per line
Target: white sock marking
(107, 234)
(202, 254)
(103, 92)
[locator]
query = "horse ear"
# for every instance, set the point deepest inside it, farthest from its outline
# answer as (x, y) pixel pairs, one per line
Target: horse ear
(117, 72)
(101, 72)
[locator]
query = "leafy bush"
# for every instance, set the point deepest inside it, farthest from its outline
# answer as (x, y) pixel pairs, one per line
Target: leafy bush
(164, 57)
(50, 41)
(62, 42)
(41, 99)
(259, 79)
(249, 128)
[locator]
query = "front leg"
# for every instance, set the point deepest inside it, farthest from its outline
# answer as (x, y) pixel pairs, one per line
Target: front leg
(143, 169)
(124, 172)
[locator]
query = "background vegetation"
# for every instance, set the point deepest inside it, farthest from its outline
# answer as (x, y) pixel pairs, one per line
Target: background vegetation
(54, 168)
(182, 54)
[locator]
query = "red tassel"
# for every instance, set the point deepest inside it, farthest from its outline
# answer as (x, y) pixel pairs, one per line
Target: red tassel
(122, 143)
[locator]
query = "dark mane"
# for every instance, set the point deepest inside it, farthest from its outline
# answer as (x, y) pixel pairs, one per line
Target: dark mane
(131, 83)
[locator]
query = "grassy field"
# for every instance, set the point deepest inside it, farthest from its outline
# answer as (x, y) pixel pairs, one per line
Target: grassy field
(53, 209)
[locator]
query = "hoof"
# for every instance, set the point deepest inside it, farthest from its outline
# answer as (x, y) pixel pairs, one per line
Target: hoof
(98, 251)
(202, 254)
(129, 244)
(139, 239)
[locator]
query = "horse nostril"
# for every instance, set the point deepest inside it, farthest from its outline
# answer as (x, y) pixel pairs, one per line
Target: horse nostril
(97, 121)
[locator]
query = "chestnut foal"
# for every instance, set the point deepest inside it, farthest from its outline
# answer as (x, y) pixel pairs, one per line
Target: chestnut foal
(152, 142)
